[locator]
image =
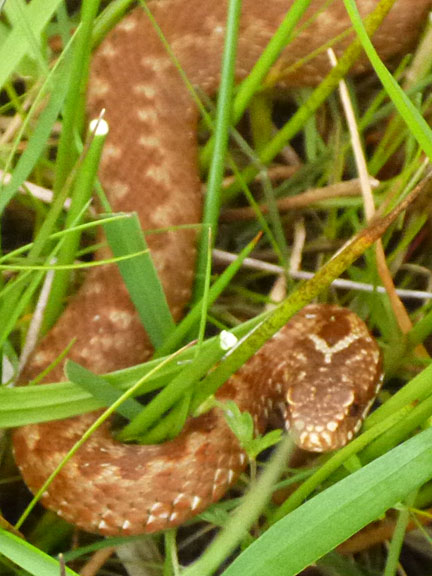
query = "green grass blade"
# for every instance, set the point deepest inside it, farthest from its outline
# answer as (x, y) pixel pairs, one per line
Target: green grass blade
(111, 14)
(223, 117)
(16, 46)
(15, 299)
(417, 125)
(17, 15)
(36, 145)
(74, 109)
(126, 237)
(63, 401)
(29, 558)
(18, 298)
(395, 548)
(81, 194)
(303, 536)
(171, 394)
(247, 513)
(250, 85)
(412, 393)
(22, 289)
(101, 389)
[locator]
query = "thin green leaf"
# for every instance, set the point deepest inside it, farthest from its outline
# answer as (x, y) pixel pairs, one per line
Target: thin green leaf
(101, 389)
(74, 109)
(222, 125)
(417, 125)
(37, 142)
(302, 537)
(81, 195)
(126, 237)
(16, 46)
(28, 557)
(241, 423)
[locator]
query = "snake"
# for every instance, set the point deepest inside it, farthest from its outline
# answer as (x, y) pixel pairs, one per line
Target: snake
(322, 370)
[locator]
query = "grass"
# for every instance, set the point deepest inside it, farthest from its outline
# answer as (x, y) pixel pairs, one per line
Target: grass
(388, 466)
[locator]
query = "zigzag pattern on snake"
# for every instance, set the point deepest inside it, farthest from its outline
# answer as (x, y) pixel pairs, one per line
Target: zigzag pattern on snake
(150, 166)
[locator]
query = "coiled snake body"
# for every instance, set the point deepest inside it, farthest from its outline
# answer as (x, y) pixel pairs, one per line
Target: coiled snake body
(150, 166)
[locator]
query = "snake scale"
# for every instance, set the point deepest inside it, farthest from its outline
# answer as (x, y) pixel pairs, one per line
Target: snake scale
(150, 166)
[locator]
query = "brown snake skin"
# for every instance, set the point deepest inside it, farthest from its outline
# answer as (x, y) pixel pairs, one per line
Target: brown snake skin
(150, 166)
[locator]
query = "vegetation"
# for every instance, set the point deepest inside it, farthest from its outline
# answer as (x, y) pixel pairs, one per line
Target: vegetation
(358, 166)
